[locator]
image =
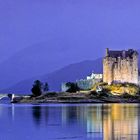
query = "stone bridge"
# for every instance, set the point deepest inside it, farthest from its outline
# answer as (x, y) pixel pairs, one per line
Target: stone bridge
(10, 96)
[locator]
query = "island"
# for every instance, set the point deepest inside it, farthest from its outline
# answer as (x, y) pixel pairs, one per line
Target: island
(119, 83)
(101, 93)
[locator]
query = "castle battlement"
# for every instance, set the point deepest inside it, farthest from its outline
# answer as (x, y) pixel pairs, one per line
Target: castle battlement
(120, 66)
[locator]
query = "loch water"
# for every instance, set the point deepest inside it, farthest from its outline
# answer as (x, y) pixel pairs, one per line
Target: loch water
(69, 121)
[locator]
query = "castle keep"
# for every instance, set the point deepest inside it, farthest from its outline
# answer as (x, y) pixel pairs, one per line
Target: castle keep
(120, 66)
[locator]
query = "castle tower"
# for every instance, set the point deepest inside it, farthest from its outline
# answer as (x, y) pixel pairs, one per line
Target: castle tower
(120, 66)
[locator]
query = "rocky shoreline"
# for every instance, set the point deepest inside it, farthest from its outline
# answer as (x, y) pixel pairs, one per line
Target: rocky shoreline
(77, 98)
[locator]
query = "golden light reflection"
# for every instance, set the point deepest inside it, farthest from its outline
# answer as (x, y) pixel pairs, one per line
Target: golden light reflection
(121, 122)
(113, 122)
(106, 121)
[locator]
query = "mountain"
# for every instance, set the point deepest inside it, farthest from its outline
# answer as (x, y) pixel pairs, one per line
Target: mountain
(69, 73)
(38, 59)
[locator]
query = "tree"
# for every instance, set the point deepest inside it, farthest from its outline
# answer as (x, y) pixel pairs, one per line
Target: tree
(72, 87)
(46, 87)
(37, 88)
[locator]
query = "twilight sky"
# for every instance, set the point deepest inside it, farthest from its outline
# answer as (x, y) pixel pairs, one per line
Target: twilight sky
(69, 25)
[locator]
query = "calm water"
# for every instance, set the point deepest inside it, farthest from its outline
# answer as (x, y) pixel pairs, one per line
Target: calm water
(70, 122)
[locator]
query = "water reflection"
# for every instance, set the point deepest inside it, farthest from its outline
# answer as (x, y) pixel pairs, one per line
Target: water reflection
(95, 121)
(36, 111)
(121, 122)
(82, 122)
(73, 114)
(108, 122)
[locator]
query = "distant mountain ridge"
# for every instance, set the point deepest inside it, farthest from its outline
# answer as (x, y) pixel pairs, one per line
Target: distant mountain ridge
(37, 59)
(69, 73)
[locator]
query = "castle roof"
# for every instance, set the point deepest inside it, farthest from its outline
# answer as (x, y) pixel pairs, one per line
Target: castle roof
(115, 54)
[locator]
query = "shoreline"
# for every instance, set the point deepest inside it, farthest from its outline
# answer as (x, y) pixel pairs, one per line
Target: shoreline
(75, 98)
(74, 102)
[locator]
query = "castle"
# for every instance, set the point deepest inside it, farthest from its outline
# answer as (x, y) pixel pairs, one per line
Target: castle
(120, 66)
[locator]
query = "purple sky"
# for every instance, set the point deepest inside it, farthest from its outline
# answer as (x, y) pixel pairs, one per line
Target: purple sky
(80, 25)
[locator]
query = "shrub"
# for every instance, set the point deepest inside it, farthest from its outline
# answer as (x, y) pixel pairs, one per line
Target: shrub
(52, 94)
(103, 94)
(46, 87)
(126, 95)
(36, 90)
(72, 87)
(102, 84)
(93, 93)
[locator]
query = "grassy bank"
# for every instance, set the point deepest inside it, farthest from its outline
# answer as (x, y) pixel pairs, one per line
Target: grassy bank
(89, 97)
(118, 89)
(115, 93)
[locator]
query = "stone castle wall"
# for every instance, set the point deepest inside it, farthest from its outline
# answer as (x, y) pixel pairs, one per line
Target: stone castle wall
(120, 70)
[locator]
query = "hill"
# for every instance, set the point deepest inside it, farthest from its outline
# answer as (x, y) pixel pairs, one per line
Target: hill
(69, 73)
(37, 59)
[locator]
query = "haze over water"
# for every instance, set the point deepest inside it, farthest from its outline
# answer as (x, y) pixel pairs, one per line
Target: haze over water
(72, 122)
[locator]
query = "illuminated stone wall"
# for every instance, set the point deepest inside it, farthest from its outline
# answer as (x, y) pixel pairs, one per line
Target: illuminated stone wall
(120, 69)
